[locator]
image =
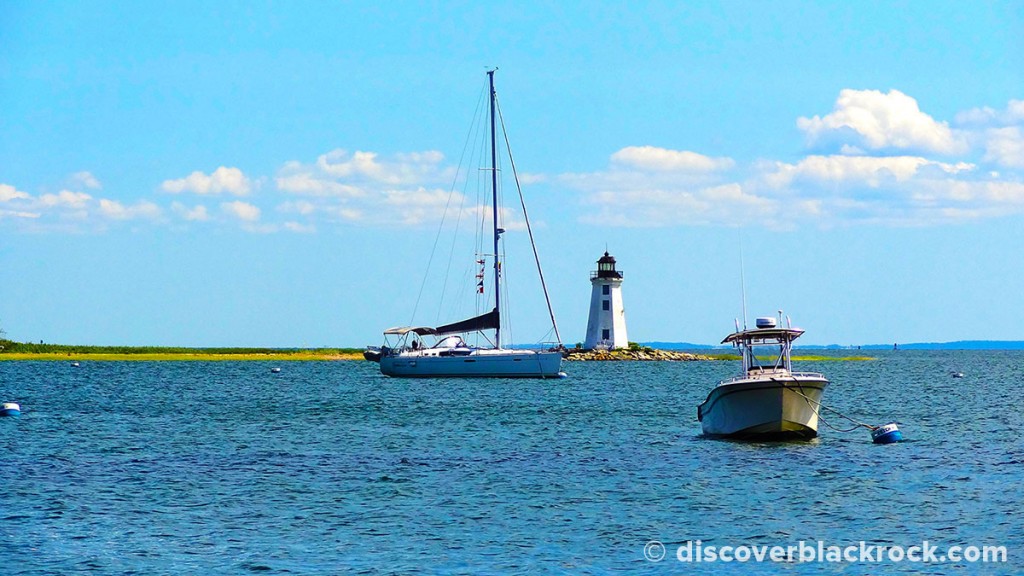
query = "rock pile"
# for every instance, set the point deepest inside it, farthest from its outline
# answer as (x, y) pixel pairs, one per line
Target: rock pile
(641, 354)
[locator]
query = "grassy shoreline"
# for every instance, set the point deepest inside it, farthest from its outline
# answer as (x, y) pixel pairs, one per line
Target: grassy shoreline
(304, 356)
(10, 350)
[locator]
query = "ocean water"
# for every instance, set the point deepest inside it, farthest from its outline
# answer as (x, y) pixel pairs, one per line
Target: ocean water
(328, 467)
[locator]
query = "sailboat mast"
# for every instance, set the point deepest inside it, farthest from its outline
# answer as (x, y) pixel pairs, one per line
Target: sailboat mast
(494, 205)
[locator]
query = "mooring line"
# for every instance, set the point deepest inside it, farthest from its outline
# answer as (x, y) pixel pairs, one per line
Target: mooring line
(811, 403)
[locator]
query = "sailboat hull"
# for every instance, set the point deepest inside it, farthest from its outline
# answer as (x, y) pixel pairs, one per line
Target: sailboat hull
(479, 363)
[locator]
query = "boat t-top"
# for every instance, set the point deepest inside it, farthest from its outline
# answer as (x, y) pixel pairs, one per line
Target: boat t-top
(767, 400)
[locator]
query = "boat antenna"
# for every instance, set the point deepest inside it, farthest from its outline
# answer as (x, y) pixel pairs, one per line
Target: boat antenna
(743, 284)
(494, 209)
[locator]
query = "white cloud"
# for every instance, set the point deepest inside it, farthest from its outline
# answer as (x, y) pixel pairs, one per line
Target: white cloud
(415, 168)
(419, 197)
(867, 170)
(309, 184)
(302, 207)
(341, 164)
(899, 191)
(418, 206)
(872, 120)
(197, 213)
(223, 179)
(1000, 133)
(351, 186)
(117, 211)
(653, 158)
(727, 204)
(346, 214)
(19, 214)
(651, 186)
(1005, 146)
(823, 191)
(241, 210)
(879, 163)
(985, 116)
(86, 179)
(299, 228)
(8, 193)
(529, 179)
(65, 199)
(1015, 112)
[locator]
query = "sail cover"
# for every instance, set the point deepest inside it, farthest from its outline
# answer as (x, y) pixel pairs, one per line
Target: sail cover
(482, 322)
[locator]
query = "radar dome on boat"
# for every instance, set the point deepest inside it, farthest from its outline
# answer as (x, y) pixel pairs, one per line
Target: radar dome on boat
(765, 322)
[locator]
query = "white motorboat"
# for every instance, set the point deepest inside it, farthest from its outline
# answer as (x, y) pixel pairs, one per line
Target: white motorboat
(451, 356)
(767, 400)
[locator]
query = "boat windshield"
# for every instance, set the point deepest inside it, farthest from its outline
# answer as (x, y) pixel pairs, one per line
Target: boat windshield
(767, 357)
(451, 342)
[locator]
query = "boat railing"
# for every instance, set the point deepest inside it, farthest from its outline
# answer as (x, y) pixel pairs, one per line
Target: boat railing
(808, 375)
(549, 346)
(770, 372)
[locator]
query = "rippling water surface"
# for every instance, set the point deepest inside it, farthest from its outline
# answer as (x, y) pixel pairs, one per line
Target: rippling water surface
(328, 467)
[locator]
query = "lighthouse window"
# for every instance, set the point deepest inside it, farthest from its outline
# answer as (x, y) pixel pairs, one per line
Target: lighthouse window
(606, 334)
(605, 305)
(606, 289)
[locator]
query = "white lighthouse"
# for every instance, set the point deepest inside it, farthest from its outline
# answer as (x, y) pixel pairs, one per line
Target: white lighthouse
(606, 326)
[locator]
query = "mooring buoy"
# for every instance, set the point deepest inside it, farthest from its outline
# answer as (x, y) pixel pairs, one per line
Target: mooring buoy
(887, 434)
(10, 409)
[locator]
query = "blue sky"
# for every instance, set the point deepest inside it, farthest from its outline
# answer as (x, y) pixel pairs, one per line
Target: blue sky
(273, 174)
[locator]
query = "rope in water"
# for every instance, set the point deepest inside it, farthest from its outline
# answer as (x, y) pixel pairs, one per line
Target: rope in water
(811, 403)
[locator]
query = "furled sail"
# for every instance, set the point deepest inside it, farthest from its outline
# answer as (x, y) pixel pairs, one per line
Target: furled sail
(486, 321)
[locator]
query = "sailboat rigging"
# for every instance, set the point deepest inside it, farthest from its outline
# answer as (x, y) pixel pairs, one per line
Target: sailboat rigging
(450, 355)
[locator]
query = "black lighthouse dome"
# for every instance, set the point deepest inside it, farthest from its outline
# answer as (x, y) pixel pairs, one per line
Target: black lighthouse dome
(606, 267)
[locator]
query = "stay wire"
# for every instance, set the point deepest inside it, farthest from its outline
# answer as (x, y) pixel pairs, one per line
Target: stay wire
(526, 218)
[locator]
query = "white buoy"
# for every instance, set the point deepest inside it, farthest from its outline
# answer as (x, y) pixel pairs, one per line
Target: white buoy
(10, 409)
(887, 434)
(74, 364)
(275, 370)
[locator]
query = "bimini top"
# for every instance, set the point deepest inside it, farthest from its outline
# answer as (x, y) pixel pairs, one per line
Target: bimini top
(403, 330)
(763, 334)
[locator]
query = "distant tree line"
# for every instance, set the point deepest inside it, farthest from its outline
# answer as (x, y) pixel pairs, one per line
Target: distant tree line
(7, 346)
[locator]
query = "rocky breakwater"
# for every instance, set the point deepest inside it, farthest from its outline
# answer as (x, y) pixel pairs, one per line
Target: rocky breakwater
(638, 354)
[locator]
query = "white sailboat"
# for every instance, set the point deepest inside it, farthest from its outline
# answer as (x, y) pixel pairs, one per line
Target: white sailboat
(450, 355)
(767, 400)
